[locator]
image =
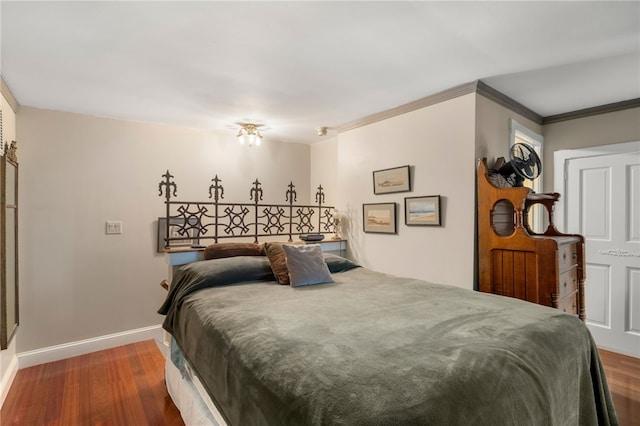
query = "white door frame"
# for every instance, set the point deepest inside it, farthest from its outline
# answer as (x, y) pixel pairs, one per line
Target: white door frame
(560, 159)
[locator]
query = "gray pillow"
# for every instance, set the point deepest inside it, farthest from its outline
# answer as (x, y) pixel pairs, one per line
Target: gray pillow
(306, 265)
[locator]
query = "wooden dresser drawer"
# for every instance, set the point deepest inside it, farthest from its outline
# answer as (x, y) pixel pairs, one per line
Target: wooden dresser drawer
(567, 256)
(568, 283)
(569, 304)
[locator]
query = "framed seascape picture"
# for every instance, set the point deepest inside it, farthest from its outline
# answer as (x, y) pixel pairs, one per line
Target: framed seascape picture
(175, 224)
(379, 218)
(422, 210)
(392, 180)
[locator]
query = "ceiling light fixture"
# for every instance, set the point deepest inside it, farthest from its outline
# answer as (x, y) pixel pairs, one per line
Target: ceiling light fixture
(249, 134)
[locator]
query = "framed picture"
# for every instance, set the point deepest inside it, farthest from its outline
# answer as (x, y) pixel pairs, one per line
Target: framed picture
(388, 181)
(175, 224)
(379, 218)
(422, 210)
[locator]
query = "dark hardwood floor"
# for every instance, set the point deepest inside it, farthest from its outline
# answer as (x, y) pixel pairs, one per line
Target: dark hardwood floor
(125, 386)
(119, 386)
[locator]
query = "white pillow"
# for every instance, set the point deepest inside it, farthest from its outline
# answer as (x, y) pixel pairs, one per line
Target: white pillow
(306, 265)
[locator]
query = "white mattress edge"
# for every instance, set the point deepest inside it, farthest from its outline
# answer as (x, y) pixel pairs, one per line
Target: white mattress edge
(190, 397)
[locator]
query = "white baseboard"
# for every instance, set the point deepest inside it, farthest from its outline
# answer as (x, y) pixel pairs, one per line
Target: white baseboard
(81, 347)
(7, 379)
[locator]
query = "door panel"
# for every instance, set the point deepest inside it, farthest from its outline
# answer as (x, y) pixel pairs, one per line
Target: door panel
(597, 300)
(596, 203)
(603, 205)
(633, 301)
(634, 203)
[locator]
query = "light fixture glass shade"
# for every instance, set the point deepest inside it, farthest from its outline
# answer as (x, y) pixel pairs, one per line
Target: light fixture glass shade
(250, 134)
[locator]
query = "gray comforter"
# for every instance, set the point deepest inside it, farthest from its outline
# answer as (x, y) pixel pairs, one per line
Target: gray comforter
(375, 349)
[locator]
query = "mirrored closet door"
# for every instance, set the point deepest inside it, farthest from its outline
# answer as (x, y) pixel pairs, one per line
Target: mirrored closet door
(8, 245)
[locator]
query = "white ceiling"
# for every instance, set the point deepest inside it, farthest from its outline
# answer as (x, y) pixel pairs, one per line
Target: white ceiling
(297, 66)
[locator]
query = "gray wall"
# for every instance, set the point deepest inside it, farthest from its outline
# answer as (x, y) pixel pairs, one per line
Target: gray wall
(603, 129)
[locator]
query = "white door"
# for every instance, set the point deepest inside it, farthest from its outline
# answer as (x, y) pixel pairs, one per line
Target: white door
(603, 204)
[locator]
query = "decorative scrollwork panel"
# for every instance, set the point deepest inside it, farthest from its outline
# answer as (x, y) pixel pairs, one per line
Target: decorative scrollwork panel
(210, 221)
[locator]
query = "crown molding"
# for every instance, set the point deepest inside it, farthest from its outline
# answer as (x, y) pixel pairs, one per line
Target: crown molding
(477, 86)
(492, 94)
(6, 92)
(437, 98)
(507, 102)
(587, 112)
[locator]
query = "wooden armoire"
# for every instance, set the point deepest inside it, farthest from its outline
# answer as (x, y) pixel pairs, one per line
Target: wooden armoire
(546, 268)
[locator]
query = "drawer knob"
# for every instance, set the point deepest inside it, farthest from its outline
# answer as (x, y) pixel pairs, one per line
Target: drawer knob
(575, 255)
(564, 256)
(565, 283)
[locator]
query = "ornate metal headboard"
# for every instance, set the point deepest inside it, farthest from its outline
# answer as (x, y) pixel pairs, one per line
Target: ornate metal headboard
(214, 219)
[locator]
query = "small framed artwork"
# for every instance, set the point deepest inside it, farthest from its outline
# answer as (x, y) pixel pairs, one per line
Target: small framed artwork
(380, 218)
(422, 210)
(388, 181)
(175, 225)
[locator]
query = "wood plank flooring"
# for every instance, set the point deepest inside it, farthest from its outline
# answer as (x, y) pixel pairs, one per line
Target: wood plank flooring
(623, 377)
(125, 386)
(119, 386)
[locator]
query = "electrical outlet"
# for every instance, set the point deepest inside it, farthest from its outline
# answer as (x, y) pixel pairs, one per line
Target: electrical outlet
(114, 227)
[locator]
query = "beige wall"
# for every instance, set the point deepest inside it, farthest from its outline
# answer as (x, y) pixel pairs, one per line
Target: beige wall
(79, 171)
(438, 142)
(323, 171)
(603, 129)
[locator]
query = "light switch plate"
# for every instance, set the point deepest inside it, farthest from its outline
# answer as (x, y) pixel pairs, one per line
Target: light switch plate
(113, 227)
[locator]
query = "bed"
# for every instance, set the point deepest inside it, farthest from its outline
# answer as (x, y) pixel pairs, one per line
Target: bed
(367, 348)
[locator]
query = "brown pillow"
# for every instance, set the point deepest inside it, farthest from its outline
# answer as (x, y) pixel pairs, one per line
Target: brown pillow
(218, 251)
(278, 261)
